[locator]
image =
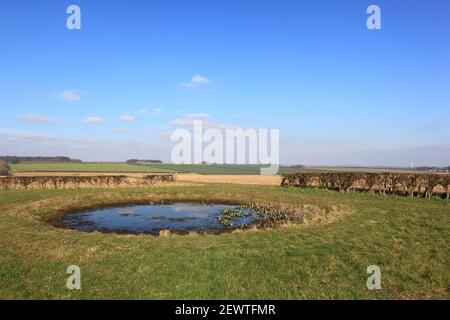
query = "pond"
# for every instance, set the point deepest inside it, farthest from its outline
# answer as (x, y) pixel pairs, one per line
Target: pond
(179, 218)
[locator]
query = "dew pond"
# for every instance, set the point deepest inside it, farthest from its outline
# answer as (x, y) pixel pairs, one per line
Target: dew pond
(178, 217)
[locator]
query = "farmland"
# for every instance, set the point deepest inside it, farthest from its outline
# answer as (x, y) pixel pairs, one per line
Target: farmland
(325, 258)
(210, 169)
(138, 168)
(219, 169)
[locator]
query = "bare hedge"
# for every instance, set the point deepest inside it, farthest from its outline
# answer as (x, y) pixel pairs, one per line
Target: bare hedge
(407, 184)
(4, 168)
(75, 182)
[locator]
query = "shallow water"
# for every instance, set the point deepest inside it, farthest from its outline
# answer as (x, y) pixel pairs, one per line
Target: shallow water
(150, 219)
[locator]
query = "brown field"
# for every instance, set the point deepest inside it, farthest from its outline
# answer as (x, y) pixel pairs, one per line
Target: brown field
(235, 179)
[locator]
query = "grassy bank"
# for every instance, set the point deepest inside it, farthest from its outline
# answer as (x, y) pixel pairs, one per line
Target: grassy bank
(407, 237)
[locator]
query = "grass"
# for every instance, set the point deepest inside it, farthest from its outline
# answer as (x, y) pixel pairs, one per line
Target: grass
(84, 167)
(407, 237)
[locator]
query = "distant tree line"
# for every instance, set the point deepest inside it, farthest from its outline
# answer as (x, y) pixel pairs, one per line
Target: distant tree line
(131, 161)
(4, 169)
(18, 159)
(299, 166)
(433, 169)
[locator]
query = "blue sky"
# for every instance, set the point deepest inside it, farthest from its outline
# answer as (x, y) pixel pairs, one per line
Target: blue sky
(339, 93)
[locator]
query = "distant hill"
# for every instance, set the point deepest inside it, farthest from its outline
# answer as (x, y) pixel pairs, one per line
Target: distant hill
(19, 159)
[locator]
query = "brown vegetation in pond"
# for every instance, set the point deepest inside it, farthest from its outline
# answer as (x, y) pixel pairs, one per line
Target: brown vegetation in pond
(419, 185)
(270, 215)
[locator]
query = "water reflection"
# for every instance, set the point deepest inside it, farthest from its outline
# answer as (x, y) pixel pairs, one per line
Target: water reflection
(177, 217)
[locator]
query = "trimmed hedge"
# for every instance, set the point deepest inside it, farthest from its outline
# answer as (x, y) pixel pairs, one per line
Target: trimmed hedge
(4, 168)
(417, 185)
(75, 182)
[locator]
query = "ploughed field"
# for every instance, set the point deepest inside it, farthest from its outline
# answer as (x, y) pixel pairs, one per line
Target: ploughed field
(325, 254)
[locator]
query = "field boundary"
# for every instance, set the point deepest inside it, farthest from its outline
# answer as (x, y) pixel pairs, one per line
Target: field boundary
(406, 184)
(78, 182)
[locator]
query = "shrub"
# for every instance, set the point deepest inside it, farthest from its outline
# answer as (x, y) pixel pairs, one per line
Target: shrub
(4, 168)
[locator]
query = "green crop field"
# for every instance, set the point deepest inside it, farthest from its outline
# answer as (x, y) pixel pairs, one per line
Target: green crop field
(231, 169)
(221, 169)
(408, 238)
(124, 167)
(84, 167)
(235, 169)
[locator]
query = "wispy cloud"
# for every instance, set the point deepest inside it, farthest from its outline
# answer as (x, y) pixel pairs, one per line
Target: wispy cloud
(205, 118)
(94, 120)
(68, 96)
(127, 118)
(37, 118)
(154, 112)
(25, 143)
(195, 82)
(188, 121)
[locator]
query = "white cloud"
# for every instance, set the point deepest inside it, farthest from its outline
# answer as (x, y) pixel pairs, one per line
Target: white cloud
(195, 82)
(127, 118)
(188, 121)
(37, 118)
(68, 96)
(94, 120)
(207, 122)
(154, 112)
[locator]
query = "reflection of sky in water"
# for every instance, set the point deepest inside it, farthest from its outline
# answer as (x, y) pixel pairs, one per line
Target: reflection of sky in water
(182, 217)
(126, 210)
(194, 210)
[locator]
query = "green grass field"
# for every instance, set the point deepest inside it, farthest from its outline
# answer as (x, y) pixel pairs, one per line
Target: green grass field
(408, 238)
